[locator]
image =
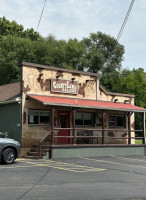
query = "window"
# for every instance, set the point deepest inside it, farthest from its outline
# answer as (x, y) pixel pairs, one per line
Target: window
(84, 119)
(117, 121)
(38, 117)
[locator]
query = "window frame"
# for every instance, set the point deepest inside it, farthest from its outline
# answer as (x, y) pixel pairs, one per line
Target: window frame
(40, 111)
(83, 113)
(116, 116)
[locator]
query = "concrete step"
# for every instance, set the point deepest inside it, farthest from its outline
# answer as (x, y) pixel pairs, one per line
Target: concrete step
(31, 157)
(37, 149)
(47, 143)
(43, 146)
(35, 153)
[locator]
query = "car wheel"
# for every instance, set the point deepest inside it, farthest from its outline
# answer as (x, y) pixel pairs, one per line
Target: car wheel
(8, 156)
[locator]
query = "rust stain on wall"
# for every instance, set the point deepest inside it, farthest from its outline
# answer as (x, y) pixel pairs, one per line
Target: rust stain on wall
(112, 99)
(47, 84)
(59, 74)
(39, 69)
(44, 84)
(81, 90)
(130, 100)
(25, 89)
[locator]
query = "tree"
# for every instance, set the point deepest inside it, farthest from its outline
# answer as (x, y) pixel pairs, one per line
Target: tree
(47, 51)
(12, 28)
(103, 52)
(12, 51)
(74, 55)
(98, 53)
(131, 82)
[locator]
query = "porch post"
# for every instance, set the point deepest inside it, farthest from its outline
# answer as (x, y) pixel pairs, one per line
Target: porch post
(143, 127)
(52, 135)
(73, 124)
(103, 126)
(129, 127)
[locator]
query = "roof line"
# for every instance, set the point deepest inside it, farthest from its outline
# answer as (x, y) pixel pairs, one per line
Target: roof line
(80, 106)
(9, 83)
(114, 93)
(10, 101)
(58, 69)
(101, 108)
(77, 98)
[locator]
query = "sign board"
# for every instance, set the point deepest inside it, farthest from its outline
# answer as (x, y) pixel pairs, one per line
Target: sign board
(64, 86)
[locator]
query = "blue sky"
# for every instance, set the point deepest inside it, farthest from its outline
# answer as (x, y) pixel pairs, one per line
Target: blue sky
(78, 18)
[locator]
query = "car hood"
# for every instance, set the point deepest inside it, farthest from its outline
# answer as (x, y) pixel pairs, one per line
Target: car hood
(8, 140)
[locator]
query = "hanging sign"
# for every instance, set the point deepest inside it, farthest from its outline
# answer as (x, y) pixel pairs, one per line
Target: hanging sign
(64, 86)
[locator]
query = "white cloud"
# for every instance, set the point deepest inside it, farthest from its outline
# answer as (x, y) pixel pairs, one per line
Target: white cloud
(77, 18)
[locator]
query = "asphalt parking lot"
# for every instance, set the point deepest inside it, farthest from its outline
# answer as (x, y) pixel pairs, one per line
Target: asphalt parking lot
(101, 178)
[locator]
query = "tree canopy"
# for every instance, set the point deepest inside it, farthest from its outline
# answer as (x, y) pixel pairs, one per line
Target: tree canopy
(12, 28)
(98, 53)
(103, 52)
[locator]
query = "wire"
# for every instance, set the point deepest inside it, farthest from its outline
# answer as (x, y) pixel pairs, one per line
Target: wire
(125, 20)
(41, 15)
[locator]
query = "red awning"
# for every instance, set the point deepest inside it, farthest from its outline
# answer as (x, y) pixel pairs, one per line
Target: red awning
(83, 103)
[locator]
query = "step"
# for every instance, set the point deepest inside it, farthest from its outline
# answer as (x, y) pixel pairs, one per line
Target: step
(31, 157)
(43, 146)
(35, 153)
(45, 143)
(37, 150)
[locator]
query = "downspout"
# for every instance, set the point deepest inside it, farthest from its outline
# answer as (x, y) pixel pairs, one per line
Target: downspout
(21, 104)
(144, 127)
(96, 88)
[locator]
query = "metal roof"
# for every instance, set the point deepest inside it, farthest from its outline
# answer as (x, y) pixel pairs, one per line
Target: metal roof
(84, 103)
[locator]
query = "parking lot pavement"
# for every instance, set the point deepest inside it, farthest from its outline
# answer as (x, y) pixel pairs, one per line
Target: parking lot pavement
(107, 178)
(63, 166)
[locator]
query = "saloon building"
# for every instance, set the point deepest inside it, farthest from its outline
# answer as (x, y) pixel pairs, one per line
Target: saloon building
(61, 113)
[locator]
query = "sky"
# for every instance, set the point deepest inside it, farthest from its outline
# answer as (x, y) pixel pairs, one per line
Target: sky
(67, 19)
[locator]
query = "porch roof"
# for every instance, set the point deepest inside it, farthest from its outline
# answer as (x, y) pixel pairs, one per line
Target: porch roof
(84, 103)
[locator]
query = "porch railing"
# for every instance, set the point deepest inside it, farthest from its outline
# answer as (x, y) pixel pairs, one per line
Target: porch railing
(102, 136)
(42, 141)
(74, 137)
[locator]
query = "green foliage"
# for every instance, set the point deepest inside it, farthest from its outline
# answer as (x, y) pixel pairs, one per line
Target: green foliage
(74, 54)
(47, 51)
(13, 50)
(104, 53)
(130, 82)
(134, 82)
(138, 141)
(98, 53)
(12, 28)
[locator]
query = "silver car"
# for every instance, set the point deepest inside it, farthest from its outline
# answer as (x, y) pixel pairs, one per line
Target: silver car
(9, 150)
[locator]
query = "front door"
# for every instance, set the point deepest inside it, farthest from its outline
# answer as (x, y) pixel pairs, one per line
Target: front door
(64, 122)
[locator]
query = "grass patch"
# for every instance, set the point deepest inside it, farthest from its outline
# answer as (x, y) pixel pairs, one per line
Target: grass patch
(138, 141)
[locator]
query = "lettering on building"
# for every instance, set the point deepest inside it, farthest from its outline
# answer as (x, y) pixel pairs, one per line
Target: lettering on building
(64, 86)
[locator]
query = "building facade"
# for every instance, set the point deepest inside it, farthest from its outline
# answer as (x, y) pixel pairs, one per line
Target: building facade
(70, 113)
